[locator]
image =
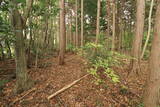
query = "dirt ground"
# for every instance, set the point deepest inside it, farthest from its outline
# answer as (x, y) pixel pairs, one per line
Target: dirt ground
(49, 77)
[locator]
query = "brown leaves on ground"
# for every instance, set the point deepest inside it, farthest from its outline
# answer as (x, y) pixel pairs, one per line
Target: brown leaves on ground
(53, 77)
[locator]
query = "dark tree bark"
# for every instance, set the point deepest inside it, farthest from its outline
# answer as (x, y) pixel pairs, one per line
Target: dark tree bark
(152, 95)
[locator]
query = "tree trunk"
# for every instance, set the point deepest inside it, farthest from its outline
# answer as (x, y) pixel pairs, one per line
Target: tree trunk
(152, 95)
(18, 23)
(21, 68)
(29, 46)
(114, 25)
(137, 42)
(149, 28)
(2, 52)
(9, 49)
(70, 27)
(77, 40)
(82, 36)
(62, 32)
(98, 20)
(46, 24)
(108, 17)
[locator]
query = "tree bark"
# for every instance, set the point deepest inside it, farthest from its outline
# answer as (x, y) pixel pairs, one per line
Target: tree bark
(137, 41)
(18, 23)
(77, 40)
(98, 20)
(2, 52)
(114, 24)
(108, 17)
(62, 32)
(82, 36)
(70, 27)
(152, 95)
(9, 49)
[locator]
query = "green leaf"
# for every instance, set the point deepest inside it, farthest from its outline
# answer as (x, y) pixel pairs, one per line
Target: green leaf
(21, 1)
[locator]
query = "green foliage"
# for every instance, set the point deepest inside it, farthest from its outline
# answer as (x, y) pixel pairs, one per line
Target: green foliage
(21, 1)
(72, 48)
(2, 83)
(127, 42)
(140, 105)
(99, 57)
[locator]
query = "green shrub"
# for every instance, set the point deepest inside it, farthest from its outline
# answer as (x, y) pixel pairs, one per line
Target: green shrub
(71, 48)
(99, 57)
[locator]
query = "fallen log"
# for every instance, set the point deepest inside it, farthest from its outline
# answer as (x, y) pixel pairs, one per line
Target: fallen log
(66, 87)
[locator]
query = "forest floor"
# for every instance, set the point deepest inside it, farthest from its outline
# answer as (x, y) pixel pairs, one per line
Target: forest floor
(49, 77)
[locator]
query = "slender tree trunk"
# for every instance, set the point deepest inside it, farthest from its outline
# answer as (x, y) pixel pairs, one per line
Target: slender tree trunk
(114, 25)
(98, 20)
(82, 36)
(52, 34)
(9, 49)
(36, 32)
(137, 42)
(29, 46)
(117, 27)
(46, 24)
(57, 41)
(77, 40)
(2, 51)
(149, 28)
(152, 95)
(108, 17)
(62, 32)
(70, 27)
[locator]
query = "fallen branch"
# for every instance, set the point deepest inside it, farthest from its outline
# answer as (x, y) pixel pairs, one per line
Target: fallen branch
(66, 87)
(22, 96)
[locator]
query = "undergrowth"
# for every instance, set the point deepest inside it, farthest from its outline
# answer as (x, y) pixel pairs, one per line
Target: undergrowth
(98, 56)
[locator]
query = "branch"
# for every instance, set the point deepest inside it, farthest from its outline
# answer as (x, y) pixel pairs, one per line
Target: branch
(66, 87)
(29, 4)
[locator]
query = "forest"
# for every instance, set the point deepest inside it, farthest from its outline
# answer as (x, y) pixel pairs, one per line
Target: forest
(79, 53)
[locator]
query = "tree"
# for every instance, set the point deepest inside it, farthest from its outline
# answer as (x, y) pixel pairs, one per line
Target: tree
(152, 94)
(82, 37)
(62, 33)
(137, 41)
(98, 20)
(76, 11)
(2, 52)
(19, 23)
(108, 17)
(114, 24)
(149, 28)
